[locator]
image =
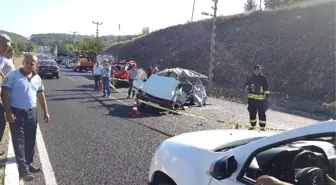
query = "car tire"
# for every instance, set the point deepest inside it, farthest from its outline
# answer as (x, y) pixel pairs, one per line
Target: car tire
(140, 105)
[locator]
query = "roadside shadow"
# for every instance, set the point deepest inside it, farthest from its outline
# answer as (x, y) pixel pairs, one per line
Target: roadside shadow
(68, 98)
(74, 90)
(88, 86)
(106, 100)
(123, 115)
(47, 78)
(57, 95)
(87, 76)
(126, 111)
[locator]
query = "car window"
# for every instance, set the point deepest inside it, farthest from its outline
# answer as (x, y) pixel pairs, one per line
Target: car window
(47, 63)
(285, 161)
(119, 66)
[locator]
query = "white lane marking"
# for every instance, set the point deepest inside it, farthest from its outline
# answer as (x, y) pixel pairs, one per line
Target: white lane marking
(11, 170)
(48, 173)
(72, 79)
(119, 100)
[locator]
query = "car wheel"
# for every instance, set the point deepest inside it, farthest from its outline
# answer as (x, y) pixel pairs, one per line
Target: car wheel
(141, 105)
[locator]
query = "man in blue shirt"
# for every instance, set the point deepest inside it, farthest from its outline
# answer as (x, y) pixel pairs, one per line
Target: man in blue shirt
(6, 65)
(20, 91)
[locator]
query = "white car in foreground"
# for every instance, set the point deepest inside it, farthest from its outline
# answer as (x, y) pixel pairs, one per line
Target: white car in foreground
(235, 157)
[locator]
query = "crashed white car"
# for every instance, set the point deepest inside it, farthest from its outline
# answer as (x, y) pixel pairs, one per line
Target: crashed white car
(235, 157)
(171, 88)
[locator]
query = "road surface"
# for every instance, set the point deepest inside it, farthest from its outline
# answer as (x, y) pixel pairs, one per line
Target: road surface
(93, 140)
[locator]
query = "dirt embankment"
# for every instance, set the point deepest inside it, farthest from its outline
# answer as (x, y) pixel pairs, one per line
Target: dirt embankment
(295, 46)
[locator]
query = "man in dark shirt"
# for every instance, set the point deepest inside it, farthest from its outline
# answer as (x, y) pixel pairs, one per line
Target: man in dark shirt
(258, 97)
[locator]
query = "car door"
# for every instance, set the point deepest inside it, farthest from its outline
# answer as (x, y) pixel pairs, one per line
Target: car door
(244, 155)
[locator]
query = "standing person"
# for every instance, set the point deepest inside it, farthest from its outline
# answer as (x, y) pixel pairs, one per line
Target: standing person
(156, 69)
(258, 97)
(150, 71)
(132, 75)
(20, 91)
(5, 67)
(97, 72)
(106, 72)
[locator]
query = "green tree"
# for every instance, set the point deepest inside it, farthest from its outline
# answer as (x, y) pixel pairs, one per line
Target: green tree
(91, 45)
(145, 31)
(273, 4)
(250, 5)
(31, 47)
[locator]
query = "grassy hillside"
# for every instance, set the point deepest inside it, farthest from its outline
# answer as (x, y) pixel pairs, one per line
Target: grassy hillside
(15, 37)
(296, 47)
(20, 43)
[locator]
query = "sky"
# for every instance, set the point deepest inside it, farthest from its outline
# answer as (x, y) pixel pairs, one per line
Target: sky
(64, 16)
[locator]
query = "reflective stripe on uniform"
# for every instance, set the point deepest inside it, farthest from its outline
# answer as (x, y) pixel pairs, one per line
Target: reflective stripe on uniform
(262, 122)
(253, 121)
(256, 96)
(267, 92)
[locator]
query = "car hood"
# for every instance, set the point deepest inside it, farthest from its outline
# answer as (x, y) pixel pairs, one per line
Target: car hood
(212, 139)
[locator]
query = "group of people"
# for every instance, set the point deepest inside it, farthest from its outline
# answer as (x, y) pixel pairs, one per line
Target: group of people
(102, 74)
(20, 90)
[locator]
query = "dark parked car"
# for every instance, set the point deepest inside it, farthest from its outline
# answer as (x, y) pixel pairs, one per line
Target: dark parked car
(48, 68)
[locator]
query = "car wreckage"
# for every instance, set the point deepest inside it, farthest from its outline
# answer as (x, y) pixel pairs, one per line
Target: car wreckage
(171, 88)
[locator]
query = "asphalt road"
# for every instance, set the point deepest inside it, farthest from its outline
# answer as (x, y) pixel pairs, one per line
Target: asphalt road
(93, 140)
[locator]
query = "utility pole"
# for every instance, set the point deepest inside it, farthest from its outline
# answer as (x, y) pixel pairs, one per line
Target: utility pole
(74, 40)
(192, 13)
(212, 48)
(97, 32)
(119, 34)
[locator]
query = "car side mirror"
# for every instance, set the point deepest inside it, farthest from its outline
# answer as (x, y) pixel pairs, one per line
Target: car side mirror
(223, 168)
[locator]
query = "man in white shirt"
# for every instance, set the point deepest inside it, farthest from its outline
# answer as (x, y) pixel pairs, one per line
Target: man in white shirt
(106, 77)
(6, 65)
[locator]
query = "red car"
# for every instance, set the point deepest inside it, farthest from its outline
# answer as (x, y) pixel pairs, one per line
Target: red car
(121, 71)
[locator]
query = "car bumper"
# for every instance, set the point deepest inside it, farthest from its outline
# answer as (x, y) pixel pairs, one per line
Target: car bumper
(155, 100)
(49, 73)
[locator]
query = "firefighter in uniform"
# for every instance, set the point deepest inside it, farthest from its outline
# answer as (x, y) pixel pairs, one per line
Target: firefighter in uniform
(258, 97)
